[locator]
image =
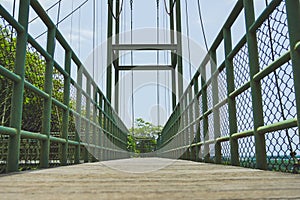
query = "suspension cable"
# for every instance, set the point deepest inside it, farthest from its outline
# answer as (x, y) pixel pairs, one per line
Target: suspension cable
(157, 54)
(79, 35)
(202, 26)
(116, 17)
(188, 39)
(101, 37)
(123, 38)
(67, 16)
(165, 61)
(14, 8)
(131, 60)
(52, 6)
(12, 29)
(171, 8)
(292, 152)
(58, 12)
(94, 35)
(71, 30)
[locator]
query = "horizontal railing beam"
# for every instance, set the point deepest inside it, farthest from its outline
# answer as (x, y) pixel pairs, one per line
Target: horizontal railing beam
(144, 47)
(146, 67)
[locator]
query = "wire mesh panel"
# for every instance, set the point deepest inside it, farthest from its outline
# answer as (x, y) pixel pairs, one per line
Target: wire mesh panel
(244, 111)
(35, 67)
(272, 36)
(224, 120)
(6, 87)
(211, 131)
(225, 153)
(209, 97)
(222, 85)
(54, 155)
(279, 101)
(29, 154)
(247, 152)
(7, 44)
(3, 152)
(33, 105)
(58, 85)
(279, 145)
(241, 67)
(7, 60)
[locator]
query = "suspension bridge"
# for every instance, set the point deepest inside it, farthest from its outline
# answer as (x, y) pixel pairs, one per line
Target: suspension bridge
(232, 130)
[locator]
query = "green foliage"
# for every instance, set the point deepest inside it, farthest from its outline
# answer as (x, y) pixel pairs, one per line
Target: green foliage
(35, 66)
(143, 138)
(131, 144)
(145, 129)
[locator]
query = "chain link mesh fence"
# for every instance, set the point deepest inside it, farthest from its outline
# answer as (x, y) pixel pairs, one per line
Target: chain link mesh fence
(277, 92)
(7, 60)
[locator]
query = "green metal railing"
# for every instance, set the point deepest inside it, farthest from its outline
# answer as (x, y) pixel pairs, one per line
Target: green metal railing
(47, 118)
(244, 110)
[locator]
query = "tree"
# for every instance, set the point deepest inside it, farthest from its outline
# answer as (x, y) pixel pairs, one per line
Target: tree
(142, 138)
(33, 104)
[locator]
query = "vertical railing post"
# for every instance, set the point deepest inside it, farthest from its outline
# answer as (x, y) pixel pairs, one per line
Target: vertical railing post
(293, 16)
(18, 89)
(78, 111)
(105, 133)
(109, 52)
(197, 115)
(234, 149)
(95, 131)
(216, 111)
(182, 125)
(101, 137)
(88, 117)
(190, 121)
(173, 56)
(187, 133)
(66, 101)
(179, 49)
(117, 40)
(46, 119)
(204, 109)
(258, 119)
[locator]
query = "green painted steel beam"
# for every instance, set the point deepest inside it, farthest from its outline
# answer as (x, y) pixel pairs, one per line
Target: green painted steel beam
(12, 76)
(46, 119)
(289, 123)
(116, 61)
(66, 112)
(18, 89)
(146, 67)
(78, 117)
(109, 53)
(216, 111)
(293, 18)
(8, 131)
(258, 118)
(144, 47)
(16, 25)
(173, 57)
(272, 67)
(87, 123)
(231, 101)
(179, 49)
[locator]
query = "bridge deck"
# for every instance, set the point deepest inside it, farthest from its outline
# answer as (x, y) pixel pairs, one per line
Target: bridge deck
(179, 180)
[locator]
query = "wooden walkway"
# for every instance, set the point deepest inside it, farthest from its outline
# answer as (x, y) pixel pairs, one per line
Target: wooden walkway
(178, 180)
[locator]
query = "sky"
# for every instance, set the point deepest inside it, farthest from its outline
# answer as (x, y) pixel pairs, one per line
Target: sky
(78, 31)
